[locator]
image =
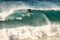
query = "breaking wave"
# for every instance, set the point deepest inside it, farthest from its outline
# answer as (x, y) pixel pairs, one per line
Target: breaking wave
(16, 23)
(7, 8)
(30, 32)
(40, 23)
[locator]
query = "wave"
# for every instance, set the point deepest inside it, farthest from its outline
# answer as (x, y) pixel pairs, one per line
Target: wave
(22, 14)
(26, 32)
(7, 8)
(50, 29)
(39, 23)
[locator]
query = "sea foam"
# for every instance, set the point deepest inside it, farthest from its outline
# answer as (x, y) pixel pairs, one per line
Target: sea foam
(29, 32)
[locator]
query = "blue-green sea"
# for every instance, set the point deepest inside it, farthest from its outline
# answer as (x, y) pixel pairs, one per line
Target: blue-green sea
(30, 20)
(35, 19)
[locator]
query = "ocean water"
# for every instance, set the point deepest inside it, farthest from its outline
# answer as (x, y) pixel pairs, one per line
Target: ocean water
(37, 25)
(42, 23)
(35, 18)
(20, 18)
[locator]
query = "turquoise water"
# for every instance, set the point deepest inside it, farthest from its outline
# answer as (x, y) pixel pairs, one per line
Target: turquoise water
(36, 18)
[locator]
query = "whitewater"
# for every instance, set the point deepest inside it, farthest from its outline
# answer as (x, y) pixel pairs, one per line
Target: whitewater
(29, 32)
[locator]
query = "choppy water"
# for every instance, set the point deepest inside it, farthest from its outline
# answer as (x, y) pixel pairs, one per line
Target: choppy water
(41, 24)
(36, 25)
(36, 18)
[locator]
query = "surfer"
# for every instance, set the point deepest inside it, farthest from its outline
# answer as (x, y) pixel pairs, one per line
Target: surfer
(29, 12)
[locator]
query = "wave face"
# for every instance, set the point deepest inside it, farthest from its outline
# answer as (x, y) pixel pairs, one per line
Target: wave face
(52, 15)
(35, 18)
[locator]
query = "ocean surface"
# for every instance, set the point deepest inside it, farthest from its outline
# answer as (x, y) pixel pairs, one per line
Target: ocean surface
(37, 25)
(42, 23)
(35, 18)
